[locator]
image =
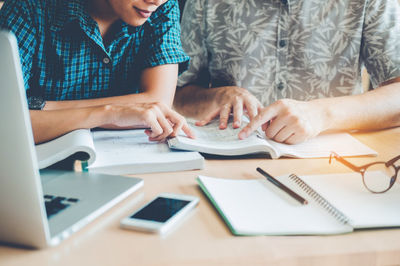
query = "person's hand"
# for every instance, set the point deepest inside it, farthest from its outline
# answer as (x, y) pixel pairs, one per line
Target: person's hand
(161, 120)
(288, 121)
(231, 99)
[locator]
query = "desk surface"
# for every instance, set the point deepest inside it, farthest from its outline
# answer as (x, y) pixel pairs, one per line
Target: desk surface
(203, 239)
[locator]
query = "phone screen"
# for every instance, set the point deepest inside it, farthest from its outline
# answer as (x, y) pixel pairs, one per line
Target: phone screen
(160, 209)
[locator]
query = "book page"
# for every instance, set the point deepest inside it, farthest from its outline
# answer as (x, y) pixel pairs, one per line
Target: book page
(67, 145)
(130, 152)
(211, 139)
(348, 194)
(322, 145)
(253, 207)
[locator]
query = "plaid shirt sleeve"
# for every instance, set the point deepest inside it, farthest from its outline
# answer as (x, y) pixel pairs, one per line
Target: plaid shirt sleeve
(163, 44)
(15, 16)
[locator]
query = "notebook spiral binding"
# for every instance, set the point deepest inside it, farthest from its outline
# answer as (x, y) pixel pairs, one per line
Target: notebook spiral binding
(341, 217)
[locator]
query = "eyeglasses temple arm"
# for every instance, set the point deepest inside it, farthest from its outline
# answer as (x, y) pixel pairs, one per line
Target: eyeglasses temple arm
(392, 161)
(345, 162)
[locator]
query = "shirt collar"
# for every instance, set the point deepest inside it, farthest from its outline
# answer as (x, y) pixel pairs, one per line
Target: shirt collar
(71, 11)
(158, 17)
(75, 11)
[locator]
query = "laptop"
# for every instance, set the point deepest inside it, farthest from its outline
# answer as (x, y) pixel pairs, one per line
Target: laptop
(40, 209)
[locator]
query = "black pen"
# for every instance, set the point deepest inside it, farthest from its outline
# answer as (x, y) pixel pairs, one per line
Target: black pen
(283, 187)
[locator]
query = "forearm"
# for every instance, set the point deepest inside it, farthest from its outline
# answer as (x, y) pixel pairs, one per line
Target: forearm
(47, 125)
(148, 109)
(375, 109)
(122, 100)
(290, 121)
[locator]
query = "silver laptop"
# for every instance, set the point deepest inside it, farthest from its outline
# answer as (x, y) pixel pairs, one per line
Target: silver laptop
(39, 209)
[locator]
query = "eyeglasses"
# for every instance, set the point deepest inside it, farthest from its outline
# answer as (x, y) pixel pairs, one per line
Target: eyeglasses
(378, 177)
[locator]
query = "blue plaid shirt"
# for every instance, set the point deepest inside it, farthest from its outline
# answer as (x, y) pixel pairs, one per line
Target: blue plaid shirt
(63, 56)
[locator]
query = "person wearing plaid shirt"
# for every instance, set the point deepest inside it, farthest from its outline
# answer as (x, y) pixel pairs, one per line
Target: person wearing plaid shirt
(99, 63)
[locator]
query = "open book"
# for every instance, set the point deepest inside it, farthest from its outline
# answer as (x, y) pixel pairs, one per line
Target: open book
(117, 152)
(210, 139)
(337, 203)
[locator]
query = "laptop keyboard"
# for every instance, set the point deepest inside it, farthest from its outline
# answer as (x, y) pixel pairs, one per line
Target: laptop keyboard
(56, 204)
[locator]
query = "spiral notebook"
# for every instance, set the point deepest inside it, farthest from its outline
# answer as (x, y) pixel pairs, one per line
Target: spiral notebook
(338, 203)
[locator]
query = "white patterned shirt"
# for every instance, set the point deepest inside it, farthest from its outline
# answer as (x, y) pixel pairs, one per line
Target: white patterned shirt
(299, 49)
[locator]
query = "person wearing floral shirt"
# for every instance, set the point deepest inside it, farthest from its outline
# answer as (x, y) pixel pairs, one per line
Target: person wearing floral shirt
(293, 66)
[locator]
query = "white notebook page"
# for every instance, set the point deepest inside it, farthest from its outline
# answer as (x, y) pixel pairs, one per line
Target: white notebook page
(256, 207)
(348, 194)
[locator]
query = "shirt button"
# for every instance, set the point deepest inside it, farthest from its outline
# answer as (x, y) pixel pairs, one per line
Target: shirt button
(106, 60)
(282, 43)
(281, 86)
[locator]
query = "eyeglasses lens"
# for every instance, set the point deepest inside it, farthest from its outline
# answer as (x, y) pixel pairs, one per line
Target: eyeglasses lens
(377, 177)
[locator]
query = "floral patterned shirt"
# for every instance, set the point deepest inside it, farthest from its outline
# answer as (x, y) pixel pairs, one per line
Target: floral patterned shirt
(299, 49)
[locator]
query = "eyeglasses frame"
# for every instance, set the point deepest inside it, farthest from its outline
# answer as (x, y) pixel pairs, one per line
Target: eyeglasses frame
(363, 168)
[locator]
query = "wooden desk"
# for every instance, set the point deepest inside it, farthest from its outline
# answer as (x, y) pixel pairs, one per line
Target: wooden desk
(203, 239)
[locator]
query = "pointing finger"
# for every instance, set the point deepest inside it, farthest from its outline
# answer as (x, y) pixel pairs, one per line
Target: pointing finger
(188, 131)
(262, 117)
